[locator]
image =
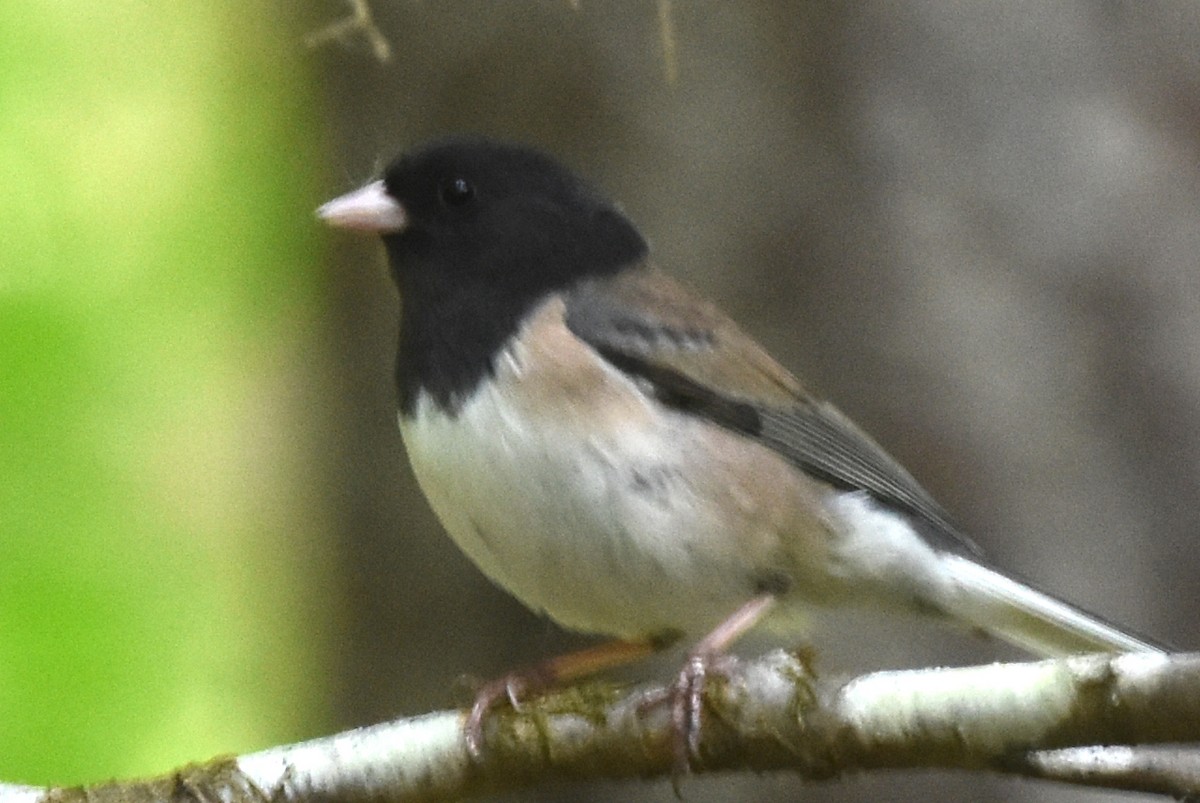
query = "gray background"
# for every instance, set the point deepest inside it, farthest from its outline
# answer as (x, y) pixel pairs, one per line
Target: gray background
(974, 225)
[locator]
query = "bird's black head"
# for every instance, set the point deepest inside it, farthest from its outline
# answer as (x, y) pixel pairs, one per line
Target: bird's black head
(501, 217)
(478, 233)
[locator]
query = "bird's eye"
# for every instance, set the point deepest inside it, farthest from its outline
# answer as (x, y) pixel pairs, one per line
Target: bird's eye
(456, 192)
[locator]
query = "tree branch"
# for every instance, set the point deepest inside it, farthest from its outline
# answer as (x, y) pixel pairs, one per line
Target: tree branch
(361, 22)
(1038, 719)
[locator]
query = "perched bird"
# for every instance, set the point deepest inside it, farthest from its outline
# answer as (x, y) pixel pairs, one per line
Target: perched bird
(618, 454)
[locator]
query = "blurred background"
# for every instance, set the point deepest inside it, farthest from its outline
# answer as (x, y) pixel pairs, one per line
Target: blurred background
(976, 226)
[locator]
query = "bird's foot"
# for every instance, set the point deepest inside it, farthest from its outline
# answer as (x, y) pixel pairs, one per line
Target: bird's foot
(521, 684)
(686, 697)
(516, 686)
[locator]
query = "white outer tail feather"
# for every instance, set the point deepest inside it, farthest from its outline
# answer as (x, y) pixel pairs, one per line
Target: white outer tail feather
(1029, 618)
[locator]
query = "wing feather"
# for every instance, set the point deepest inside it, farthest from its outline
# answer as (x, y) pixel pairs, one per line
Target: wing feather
(697, 360)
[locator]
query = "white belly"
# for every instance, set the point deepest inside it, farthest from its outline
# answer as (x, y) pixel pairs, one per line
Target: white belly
(609, 538)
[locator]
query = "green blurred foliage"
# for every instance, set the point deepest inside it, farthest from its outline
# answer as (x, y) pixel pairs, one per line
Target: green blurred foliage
(159, 538)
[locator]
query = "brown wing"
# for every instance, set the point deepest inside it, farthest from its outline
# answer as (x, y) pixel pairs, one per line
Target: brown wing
(697, 360)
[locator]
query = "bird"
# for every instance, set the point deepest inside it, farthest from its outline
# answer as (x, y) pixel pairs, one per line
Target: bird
(620, 456)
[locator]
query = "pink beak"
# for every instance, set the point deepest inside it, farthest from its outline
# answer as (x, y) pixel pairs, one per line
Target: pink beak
(368, 209)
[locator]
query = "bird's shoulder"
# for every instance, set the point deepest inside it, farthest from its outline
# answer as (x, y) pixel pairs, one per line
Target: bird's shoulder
(643, 316)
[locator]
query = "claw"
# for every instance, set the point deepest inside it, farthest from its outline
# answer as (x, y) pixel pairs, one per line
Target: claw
(488, 695)
(515, 688)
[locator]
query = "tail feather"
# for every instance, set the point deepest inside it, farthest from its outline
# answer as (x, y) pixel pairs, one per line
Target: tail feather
(1032, 619)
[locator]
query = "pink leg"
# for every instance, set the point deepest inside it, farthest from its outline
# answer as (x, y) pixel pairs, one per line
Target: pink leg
(687, 695)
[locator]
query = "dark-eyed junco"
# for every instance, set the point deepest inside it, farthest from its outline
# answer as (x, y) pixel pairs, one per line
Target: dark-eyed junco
(618, 454)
